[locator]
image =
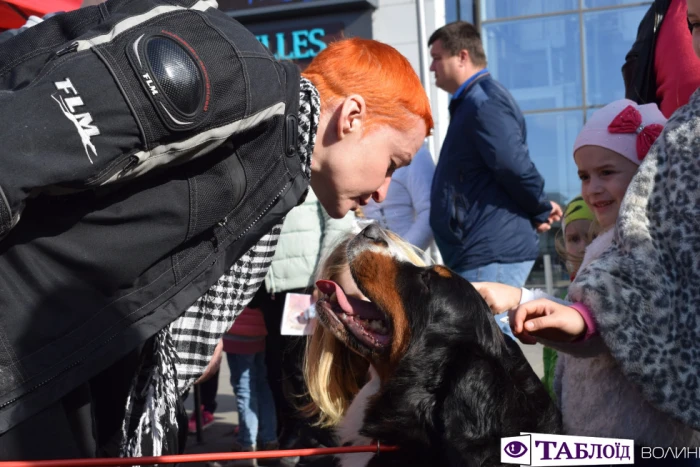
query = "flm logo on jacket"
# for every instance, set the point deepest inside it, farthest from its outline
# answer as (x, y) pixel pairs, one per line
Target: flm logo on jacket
(68, 99)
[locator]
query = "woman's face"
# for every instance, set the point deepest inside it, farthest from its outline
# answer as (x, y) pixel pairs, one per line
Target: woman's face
(576, 237)
(352, 164)
(694, 24)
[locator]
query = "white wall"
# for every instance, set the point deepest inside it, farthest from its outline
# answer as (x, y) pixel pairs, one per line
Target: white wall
(395, 23)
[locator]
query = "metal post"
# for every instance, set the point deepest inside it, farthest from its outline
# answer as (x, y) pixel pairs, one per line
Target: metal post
(424, 68)
(198, 412)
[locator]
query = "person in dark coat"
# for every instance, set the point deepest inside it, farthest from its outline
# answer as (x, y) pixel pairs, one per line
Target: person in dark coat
(661, 66)
(487, 200)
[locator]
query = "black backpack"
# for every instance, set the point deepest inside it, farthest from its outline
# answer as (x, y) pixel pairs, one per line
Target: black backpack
(146, 145)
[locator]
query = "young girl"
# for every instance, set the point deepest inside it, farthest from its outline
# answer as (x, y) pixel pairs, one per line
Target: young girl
(334, 374)
(596, 397)
(575, 234)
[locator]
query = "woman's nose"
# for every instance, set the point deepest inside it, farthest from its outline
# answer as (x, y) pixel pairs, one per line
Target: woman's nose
(380, 194)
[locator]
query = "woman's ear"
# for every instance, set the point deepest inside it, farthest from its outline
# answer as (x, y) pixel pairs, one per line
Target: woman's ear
(352, 115)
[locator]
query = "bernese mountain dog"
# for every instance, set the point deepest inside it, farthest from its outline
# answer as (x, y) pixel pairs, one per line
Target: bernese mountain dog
(445, 385)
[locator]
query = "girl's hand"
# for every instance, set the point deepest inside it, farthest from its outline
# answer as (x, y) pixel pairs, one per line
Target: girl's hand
(499, 297)
(548, 320)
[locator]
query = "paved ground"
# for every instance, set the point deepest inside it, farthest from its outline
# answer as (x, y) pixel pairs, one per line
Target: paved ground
(218, 436)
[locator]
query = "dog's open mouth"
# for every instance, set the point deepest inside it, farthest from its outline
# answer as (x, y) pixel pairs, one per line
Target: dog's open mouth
(361, 318)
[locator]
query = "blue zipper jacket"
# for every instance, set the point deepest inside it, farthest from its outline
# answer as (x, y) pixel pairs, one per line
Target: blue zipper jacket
(487, 196)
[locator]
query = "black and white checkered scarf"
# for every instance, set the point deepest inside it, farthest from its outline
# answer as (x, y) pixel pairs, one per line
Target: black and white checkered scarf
(175, 357)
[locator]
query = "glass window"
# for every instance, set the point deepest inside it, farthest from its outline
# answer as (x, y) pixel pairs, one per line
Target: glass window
(608, 36)
(493, 9)
(450, 11)
(560, 276)
(604, 3)
(466, 10)
(538, 60)
(462, 8)
(550, 139)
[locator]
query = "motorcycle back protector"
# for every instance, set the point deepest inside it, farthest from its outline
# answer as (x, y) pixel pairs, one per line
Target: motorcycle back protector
(145, 146)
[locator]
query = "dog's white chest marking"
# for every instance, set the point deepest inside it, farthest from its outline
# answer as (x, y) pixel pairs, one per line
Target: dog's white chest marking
(349, 429)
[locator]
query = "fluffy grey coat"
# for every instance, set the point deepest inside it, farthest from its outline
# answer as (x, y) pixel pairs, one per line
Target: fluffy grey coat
(596, 398)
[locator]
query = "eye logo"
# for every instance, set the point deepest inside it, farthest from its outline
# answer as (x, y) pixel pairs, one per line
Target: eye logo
(515, 449)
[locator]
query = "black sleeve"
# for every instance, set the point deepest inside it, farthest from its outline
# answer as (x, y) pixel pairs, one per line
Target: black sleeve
(637, 59)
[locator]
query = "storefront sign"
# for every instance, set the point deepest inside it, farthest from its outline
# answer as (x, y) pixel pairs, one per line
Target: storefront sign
(300, 45)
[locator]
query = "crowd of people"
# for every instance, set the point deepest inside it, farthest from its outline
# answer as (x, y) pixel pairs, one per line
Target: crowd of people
(620, 354)
(484, 204)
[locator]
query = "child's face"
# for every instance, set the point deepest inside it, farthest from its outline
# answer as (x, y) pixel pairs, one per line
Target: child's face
(604, 176)
(694, 21)
(576, 237)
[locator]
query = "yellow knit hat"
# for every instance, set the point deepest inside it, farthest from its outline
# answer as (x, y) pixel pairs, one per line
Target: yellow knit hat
(576, 210)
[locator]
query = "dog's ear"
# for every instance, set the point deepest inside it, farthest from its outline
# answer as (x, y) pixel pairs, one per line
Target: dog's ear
(489, 336)
(435, 402)
(440, 400)
(474, 413)
(463, 318)
(402, 413)
(495, 398)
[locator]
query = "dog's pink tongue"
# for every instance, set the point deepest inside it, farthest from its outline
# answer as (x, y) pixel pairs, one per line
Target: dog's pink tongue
(350, 305)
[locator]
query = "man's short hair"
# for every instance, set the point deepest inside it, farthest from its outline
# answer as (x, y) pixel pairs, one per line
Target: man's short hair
(461, 35)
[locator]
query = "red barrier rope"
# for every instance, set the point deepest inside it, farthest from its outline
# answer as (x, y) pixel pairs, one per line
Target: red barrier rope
(189, 458)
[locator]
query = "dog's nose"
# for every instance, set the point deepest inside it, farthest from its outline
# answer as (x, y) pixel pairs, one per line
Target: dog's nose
(372, 232)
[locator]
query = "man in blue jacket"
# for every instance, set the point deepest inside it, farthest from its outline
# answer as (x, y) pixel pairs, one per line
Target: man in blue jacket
(487, 198)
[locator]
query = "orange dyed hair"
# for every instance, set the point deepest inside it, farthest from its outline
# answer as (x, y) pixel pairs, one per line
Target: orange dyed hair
(376, 71)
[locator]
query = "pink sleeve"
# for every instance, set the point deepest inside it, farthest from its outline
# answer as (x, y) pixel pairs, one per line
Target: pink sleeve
(588, 319)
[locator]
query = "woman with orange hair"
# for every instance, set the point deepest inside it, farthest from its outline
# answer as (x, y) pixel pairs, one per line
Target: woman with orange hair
(190, 143)
(374, 116)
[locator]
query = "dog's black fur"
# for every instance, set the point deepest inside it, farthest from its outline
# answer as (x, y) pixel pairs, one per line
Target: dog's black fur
(461, 385)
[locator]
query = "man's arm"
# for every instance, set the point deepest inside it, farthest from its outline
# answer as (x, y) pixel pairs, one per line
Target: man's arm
(497, 135)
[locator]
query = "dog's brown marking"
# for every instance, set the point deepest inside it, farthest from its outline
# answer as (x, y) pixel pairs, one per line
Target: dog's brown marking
(442, 271)
(376, 275)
